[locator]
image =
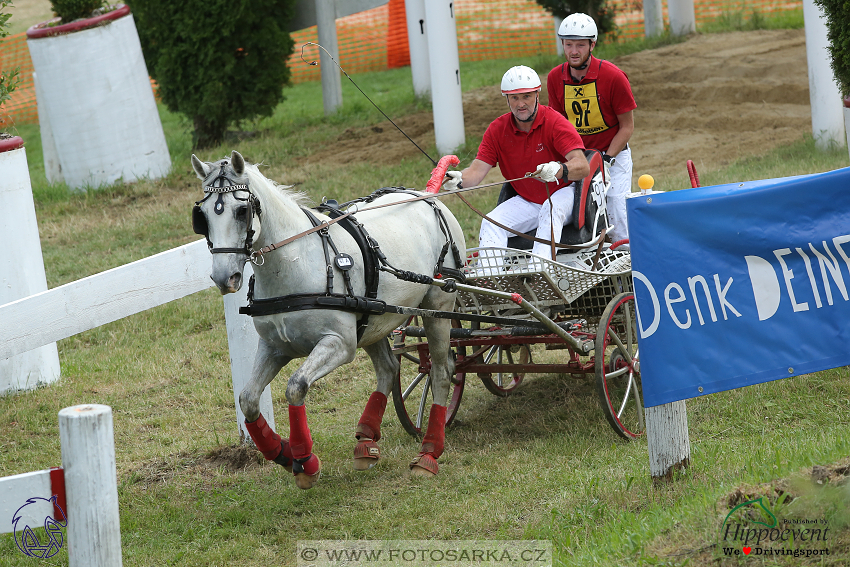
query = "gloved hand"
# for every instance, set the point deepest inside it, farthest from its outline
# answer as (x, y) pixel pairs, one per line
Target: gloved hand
(453, 182)
(548, 171)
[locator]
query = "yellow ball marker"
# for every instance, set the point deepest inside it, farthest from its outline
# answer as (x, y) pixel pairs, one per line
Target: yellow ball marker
(646, 182)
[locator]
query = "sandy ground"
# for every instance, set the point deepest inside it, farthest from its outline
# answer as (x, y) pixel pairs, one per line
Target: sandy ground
(711, 99)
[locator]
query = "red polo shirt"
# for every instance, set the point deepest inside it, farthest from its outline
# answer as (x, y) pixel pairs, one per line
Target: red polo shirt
(516, 152)
(592, 104)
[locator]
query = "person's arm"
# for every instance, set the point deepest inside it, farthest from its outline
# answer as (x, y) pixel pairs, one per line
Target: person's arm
(474, 174)
(577, 166)
(621, 138)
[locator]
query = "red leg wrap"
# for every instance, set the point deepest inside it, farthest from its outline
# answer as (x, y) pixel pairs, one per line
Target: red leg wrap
(435, 436)
(299, 434)
(268, 442)
(369, 426)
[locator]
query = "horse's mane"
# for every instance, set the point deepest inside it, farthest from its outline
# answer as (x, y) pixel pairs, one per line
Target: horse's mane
(269, 189)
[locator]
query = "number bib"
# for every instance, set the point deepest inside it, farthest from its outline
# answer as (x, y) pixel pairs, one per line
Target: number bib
(582, 106)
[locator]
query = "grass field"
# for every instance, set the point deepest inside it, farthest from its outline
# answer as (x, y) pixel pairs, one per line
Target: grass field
(540, 464)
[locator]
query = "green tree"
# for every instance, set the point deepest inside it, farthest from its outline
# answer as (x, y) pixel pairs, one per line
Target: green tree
(9, 79)
(599, 10)
(838, 31)
(216, 61)
(70, 10)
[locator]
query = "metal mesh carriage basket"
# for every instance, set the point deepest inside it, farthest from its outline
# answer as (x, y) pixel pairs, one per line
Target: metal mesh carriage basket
(571, 282)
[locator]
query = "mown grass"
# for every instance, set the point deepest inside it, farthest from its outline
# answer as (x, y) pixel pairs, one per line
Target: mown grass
(542, 463)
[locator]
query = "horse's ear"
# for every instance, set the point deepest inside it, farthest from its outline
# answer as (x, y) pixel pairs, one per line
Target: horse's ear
(201, 169)
(237, 162)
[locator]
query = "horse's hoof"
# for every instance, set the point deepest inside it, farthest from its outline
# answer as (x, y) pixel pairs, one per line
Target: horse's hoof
(303, 480)
(366, 454)
(424, 465)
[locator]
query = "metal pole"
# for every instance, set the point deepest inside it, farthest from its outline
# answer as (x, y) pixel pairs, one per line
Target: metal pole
(446, 97)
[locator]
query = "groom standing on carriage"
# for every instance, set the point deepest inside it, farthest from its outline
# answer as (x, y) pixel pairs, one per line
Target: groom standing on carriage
(530, 135)
(596, 97)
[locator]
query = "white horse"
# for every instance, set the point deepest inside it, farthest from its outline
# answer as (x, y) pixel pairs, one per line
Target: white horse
(243, 209)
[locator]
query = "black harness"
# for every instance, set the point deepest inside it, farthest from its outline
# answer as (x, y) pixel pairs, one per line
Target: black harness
(219, 186)
(374, 261)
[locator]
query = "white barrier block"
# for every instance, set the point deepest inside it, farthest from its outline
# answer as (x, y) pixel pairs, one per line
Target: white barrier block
(22, 273)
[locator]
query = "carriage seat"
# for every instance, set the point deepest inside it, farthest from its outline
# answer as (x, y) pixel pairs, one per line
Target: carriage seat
(589, 213)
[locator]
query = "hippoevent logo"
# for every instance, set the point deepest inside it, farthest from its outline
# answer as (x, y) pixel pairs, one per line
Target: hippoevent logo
(751, 528)
(26, 539)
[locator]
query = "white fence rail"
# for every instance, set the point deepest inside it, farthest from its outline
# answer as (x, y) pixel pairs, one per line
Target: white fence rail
(82, 305)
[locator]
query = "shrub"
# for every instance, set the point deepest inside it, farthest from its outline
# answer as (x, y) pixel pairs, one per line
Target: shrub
(70, 10)
(599, 10)
(218, 62)
(838, 31)
(8, 80)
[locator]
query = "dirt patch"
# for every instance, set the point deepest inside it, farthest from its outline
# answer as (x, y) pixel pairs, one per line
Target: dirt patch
(711, 99)
(232, 459)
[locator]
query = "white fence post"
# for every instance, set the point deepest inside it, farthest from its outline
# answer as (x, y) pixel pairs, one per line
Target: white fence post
(242, 340)
(446, 96)
(824, 94)
(667, 439)
(91, 486)
(331, 80)
(681, 15)
(417, 41)
(653, 18)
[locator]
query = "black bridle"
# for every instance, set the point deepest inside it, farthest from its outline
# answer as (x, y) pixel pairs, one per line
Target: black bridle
(219, 186)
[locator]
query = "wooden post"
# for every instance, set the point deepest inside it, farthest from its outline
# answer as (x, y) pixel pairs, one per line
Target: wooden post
(91, 485)
(331, 81)
(682, 18)
(653, 18)
(242, 340)
(417, 40)
(827, 119)
(667, 439)
(446, 97)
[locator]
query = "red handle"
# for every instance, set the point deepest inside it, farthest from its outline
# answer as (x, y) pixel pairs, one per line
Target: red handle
(436, 181)
(692, 173)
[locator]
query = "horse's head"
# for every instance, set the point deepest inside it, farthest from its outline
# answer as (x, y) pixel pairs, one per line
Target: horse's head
(228, 216)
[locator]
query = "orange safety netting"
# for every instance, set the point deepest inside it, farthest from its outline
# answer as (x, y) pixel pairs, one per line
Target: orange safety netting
(376, 39)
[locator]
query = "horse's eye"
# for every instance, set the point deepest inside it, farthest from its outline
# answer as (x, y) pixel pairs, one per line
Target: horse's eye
(241, 213)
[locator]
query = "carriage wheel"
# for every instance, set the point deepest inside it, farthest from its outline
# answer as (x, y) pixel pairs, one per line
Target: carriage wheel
(618, 367)
(503, 383)
(412, 388)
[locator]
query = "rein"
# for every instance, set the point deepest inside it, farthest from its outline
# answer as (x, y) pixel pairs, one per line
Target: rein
(265, 250)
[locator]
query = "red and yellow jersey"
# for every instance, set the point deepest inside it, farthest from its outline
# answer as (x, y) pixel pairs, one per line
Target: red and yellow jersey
(592, 105)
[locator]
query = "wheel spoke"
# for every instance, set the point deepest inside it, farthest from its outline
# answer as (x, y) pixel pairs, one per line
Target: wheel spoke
(423, 401)
(413, 385)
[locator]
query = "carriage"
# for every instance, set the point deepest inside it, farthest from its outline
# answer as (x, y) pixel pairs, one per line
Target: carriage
(587, 292)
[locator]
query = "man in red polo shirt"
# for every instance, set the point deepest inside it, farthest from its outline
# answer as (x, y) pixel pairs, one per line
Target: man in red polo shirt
(529, 138)
(595, 96)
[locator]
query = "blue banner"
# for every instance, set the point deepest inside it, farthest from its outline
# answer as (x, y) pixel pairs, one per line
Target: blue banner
(741, 284)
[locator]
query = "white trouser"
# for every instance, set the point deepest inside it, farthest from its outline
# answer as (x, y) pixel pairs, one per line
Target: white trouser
(522, 215)
(621, 184)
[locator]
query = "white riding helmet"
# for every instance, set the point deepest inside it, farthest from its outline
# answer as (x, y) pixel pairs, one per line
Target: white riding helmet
(578, 26)
(520, 79)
